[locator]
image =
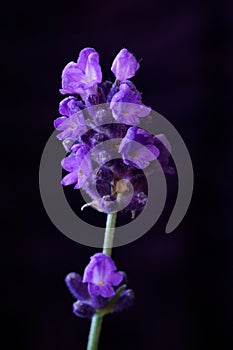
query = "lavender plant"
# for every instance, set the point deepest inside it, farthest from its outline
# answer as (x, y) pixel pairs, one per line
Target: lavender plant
(91, 166)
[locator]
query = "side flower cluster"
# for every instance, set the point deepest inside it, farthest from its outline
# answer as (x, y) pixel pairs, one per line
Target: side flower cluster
(96, 292)
(117, 116)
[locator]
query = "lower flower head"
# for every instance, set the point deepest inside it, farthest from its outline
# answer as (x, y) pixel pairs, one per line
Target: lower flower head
(101, 270)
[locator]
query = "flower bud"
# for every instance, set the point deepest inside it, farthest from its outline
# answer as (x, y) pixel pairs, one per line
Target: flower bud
(83, 310)
(124, 65)
(75, 285)
(125, 300)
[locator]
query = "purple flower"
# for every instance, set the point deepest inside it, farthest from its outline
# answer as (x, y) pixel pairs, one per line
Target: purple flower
(101, 276)
(140, 152)
(126, 106)
(79, 166)
(69, 106)
(83, 75)
(124, 65)
(72, 127)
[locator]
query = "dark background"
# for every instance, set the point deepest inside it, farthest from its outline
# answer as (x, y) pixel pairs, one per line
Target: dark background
(182, 281)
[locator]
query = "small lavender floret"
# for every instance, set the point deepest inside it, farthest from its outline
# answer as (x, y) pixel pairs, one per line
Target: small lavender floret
(72, 127)
(141, 152)
(101, 276)
(83, 75)
(124, 65)
(79, 166)
(69, 106)
(127, 93)
(127, 107)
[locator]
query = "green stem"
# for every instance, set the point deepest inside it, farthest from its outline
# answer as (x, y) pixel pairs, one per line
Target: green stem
(109, 233)
(97, 319)
(94, 334)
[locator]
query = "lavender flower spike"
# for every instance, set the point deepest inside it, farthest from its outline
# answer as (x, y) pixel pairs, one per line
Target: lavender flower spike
(83, 75)
(124, 65)
(101, 276)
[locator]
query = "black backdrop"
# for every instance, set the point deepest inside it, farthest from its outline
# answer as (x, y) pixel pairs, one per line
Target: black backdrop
(182, 281)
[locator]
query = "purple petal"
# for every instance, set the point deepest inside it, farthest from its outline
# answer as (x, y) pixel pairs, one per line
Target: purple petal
(76, 287)
(71, 76)
(93, 70)
(79, 131)
(100, 267)
(115, 278)
(124, 116)
(162, 138)
(124, 65)
(138, 155)
(139, 135)
(83, 57)
(106, 291)
(82, 178)
(154, 152)
(64, 134)
(69, 106)
(126, 94)
(69, 179)
(93, 289)
(78, 118)
(68, 143)
(70, 163)
(129, 113)
(58, 122)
